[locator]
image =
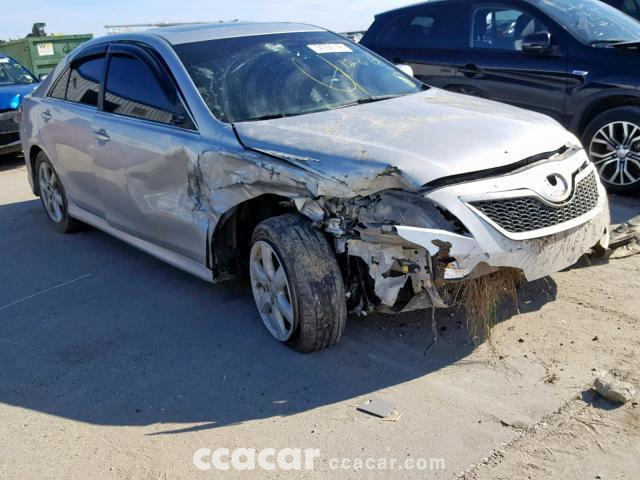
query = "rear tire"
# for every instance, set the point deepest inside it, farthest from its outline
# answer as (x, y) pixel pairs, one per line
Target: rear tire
(297, 284)
(53, 196)
(612, 140)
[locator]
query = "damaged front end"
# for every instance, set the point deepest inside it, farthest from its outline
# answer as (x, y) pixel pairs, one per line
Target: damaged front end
(400, 249)
(384, 271)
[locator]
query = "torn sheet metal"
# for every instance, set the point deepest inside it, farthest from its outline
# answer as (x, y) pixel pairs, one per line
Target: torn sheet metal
(391, 266)
(377, 407)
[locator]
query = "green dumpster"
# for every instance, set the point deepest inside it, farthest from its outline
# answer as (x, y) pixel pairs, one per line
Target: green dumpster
(42, 54)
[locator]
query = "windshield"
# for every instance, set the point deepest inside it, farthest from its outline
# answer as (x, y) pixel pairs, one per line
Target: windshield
(592, 21)
(11, 73)
(272, 76)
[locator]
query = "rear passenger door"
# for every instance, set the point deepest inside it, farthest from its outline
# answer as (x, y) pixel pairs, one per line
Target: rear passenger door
(425, 37)
(66, 133)
(145, 146)
(493, 65)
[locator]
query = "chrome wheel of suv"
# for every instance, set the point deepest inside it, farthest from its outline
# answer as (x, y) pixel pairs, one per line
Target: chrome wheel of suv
(615, 150)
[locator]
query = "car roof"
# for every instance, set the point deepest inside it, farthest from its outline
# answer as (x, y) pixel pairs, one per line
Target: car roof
(214, 31)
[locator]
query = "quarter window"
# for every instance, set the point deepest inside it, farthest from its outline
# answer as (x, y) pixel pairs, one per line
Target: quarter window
(433, 27)
(503, 28)
(84, 81)
(134, 90)
(60, 88)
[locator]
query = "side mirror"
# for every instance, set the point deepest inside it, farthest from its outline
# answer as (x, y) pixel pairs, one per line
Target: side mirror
(42, 77)
(405, 69)
(539, 42)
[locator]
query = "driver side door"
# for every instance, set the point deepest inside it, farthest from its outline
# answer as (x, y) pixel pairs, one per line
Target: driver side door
(145, 146)
(494, 66)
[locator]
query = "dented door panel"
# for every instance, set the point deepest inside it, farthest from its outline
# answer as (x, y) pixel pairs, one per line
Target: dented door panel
(145, 174)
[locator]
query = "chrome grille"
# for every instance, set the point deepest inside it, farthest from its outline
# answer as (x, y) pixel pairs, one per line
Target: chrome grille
(526, 214)
(8, 123)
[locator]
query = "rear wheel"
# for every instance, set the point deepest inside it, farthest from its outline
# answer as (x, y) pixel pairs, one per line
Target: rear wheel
(53, 196)
(613, 142)
(297, 284)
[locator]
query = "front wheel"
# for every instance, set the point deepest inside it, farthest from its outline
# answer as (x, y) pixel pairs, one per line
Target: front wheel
(613, 142)
(297, 284)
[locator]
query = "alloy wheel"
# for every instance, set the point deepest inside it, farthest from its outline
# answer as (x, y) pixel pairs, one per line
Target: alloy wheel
(615, 151)
(50, 192)
(271, 291)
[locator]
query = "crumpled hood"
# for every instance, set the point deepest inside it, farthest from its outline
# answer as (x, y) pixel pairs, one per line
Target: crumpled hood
(8, 94)
(426, 136)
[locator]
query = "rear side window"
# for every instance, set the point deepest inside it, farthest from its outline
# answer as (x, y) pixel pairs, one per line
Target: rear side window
(60, 88)
(431, 27)
(503, 28)
(134, 90)
(84, 81)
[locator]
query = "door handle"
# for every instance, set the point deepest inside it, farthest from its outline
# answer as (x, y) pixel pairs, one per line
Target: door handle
(46, 115)
(469, 70)
(101, 135)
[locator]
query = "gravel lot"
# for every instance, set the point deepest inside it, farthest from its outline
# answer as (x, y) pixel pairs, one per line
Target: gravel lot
(115, 365)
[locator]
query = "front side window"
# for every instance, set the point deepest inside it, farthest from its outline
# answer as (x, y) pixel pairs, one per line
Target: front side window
(272, 76)
(432, 27)
(12, 73)
(133, 90)
(84, 81)
(503, 28)
(592, 21)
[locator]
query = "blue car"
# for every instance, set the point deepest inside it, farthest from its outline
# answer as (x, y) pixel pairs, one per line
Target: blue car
(15, 82)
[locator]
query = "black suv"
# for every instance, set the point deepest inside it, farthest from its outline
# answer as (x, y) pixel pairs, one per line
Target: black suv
(575, 60)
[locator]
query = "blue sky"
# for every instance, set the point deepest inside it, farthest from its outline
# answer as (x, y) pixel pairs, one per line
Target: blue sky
(76, 16)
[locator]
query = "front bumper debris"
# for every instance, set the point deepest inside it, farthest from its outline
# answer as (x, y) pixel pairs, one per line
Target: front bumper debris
(538, 241)
(537, 258)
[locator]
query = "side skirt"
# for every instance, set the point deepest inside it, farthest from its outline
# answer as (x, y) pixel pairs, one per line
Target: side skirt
(161, 253)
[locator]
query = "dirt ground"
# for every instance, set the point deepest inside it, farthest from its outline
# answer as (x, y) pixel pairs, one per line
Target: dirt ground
(115, 365)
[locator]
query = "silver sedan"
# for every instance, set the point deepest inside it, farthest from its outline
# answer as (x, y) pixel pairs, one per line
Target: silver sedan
(331, 178)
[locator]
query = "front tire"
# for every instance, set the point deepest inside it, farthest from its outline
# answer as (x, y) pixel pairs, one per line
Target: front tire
(612, 140)
(53, 196)
(297, 284)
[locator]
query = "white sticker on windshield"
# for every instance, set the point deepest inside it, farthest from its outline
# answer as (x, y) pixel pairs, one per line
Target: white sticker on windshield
(330, 48)
(4, 60)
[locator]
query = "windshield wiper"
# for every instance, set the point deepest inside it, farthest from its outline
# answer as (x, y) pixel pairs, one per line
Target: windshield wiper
(631, 43)
(362, 101)
(270, 116)
(605, 42)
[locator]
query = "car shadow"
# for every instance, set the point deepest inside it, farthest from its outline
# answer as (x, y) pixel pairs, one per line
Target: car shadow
(11, 162)
(624, 208)
(96, 331)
